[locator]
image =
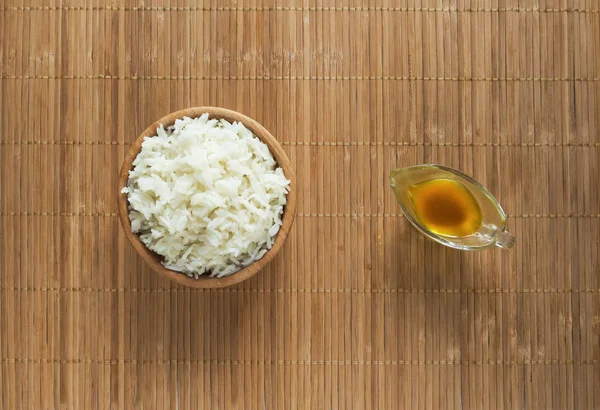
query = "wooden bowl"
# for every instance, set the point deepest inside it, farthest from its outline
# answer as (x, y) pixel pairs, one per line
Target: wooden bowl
(289, 211)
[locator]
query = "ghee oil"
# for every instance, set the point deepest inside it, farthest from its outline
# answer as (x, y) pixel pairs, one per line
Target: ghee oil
(446, 207)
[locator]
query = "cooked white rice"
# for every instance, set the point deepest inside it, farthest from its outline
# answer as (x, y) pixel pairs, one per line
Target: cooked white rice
(206, 195)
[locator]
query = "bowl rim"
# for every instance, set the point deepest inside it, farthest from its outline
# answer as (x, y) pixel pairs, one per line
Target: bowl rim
(289, 211)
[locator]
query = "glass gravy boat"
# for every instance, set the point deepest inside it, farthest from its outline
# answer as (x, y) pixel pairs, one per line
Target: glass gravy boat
(490, 231)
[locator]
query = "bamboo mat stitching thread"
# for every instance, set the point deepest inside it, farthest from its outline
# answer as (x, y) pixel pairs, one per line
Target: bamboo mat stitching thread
(345, 144)
(300, 215)
(303, 362)
(315, 290)
(301, 8)
(298, 78)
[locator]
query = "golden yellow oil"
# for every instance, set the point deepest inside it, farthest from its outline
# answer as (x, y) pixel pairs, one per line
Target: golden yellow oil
(446, 207)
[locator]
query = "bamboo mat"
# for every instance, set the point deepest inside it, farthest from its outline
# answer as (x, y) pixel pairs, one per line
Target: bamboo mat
(358, 311)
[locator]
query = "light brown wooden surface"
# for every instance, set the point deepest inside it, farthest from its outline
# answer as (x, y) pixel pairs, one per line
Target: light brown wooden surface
(358, 310)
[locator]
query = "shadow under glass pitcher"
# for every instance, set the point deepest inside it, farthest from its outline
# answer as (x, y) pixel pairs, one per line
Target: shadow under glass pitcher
(450, 207)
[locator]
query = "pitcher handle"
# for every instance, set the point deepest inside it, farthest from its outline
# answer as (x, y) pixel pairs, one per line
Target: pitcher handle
(505, 240)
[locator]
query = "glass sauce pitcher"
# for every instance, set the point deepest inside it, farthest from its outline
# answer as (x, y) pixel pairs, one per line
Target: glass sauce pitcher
(480, 223)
